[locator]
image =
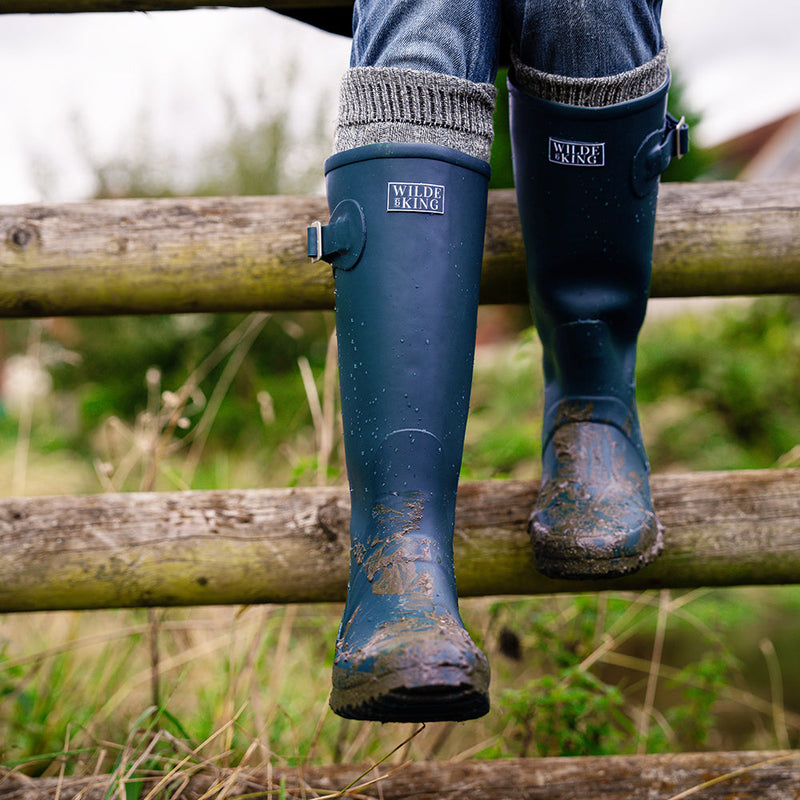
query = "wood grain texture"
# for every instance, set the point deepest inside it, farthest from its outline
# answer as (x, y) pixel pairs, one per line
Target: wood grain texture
(248, 253)
(292, 545)
(79, 6)
(723, 776)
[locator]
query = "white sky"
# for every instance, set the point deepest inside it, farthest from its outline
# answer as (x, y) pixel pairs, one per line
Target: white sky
(739, 59)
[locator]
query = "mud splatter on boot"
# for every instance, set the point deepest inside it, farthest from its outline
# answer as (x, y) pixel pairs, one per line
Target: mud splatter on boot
(402, 654)
(593, 517)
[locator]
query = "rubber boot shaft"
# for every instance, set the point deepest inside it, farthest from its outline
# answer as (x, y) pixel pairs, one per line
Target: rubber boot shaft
(406, 315)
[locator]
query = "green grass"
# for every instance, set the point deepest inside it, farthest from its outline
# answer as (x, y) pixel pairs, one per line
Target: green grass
(252, 683)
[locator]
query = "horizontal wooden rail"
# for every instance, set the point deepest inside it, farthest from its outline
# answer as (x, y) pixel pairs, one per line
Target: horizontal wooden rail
(184, 255)
(744, 776)
(291, 545)
(77, 6)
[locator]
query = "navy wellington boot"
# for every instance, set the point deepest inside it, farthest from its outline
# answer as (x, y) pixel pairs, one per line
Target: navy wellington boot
(587, 183)
(405, 240)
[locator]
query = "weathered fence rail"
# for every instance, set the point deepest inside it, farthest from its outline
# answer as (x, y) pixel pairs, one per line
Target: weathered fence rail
(161, 256)
(291, 545)
(77, 6)
(705, 776)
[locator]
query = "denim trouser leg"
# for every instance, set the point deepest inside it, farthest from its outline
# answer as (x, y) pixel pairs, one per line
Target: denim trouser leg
(575, 38)
(452, 38)
(584, 38)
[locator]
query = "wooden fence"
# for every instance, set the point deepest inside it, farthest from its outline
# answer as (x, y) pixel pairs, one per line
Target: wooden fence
(201, 548)
(245, 253)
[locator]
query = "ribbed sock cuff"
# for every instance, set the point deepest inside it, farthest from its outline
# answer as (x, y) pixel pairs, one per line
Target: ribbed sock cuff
(386, 104)
(593, 92)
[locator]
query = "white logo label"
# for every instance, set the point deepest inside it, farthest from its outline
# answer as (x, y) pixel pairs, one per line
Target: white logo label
(425, 198)
(577, 154)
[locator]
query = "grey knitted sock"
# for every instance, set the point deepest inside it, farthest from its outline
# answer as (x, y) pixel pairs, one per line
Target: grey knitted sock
(387, 104)
(593, 92)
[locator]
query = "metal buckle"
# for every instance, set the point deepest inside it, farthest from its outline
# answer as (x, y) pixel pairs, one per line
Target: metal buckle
(679, 130)
(317, 228)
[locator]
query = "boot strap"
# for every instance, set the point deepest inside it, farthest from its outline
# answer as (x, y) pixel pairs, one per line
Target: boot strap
(678, 132)
(656, 151)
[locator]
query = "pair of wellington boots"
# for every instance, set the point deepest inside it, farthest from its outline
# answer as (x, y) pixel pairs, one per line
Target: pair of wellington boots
(405, 240)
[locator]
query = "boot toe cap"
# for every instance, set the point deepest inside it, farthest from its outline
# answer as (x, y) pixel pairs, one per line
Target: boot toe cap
(577, 546)
(411, 673)
(594, 517)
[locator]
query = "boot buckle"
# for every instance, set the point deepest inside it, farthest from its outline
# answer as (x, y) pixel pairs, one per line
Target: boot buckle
(656, 151)
(341, 242)
(678, 134)
(315, 241)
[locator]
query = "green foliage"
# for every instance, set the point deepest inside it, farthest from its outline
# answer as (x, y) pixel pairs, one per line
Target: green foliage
(569, 714)
(500, 161)
(32, 701)
(722, 379)
(575, 686)
(503, 430)
(565, 709)
(693, 718)
(115, 356)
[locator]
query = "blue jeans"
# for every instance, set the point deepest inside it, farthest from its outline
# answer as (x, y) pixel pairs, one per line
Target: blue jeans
(574, 38)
